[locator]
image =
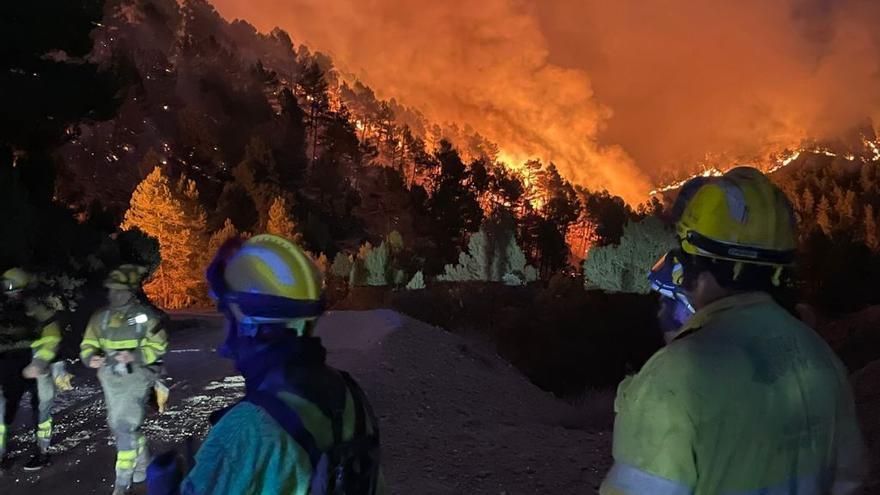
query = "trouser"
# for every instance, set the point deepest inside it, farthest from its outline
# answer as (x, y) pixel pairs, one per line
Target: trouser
(12, 388)
(125, 395)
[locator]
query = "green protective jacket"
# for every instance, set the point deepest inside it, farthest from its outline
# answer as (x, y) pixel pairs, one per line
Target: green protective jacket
(746, 400)
(248, 453)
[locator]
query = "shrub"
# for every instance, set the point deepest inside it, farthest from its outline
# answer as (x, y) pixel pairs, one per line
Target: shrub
(624, 267)
(492, 256)
(342, 265)
(417, 282)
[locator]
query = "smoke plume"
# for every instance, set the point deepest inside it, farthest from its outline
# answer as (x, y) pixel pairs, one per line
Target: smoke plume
(615, 93)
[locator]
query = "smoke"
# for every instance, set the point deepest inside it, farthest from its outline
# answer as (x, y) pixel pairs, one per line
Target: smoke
(615, 93)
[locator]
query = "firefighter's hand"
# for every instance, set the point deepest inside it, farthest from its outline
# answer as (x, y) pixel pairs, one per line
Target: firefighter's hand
(97, 361)
(63, 382)
(124, 357)
(31, 371)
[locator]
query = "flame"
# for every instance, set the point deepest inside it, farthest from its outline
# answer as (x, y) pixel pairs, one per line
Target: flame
(781, 163)
(615, 93)
(709, 172)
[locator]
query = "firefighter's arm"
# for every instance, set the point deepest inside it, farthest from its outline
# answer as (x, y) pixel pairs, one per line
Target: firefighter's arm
(653, 436)
(154, 345)
(90, 345)
(46, 347)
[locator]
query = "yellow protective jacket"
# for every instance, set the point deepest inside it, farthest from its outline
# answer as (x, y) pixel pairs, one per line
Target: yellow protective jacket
(134, 327)
(746, 400)
(34, 326)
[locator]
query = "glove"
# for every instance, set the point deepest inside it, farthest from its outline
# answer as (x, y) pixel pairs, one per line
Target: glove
(61, 376)
(162, 392)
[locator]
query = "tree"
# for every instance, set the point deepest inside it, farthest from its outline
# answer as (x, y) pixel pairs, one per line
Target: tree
(608, 213)
(823, 216)
(170, 214)
(492, 255)
(228, 231)
(624, 267)
(342, 265)
(808, 202)
(868, 177)
(247, 198)
(453, 206)
(417, 282)
(280, 222)
(313, 87)
(872, 236)
(49, 84)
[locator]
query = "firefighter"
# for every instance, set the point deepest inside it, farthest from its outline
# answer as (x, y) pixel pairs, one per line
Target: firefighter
(303, 427)
(124, 342)
(746, 399)
(29, 340)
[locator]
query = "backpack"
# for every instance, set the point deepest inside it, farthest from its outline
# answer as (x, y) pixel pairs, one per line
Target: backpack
(347, 467)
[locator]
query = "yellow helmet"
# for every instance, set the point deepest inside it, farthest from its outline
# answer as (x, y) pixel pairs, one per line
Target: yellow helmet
(740, 216)
(125, 277)
(266, 278)
(15, 280)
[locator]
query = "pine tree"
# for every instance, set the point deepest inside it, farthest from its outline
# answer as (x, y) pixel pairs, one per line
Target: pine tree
(808, 202)
(622, 267)
(872, 236)
(280, 222)
(228, 231)
(823, 215)
(868, 178)
(173, 216)
(847, 209)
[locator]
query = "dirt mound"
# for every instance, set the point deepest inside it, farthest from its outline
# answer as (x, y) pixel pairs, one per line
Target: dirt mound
(456, 418)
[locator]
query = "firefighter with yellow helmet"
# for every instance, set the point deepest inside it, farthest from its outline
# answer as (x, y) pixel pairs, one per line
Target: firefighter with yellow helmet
(124, 342)
(303, 427)
(29, 340)
(746, 399)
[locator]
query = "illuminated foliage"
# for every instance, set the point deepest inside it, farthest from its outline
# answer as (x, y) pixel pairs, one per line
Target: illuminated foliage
(280, 221)
(172, 214)
(217, 238)
(492, 256)
(624, 267)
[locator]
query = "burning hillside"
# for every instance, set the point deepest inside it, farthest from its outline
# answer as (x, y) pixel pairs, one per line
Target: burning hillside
(616, 94)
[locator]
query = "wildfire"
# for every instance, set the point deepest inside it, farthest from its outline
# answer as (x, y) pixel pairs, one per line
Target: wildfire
(781, 163)
(709, 172)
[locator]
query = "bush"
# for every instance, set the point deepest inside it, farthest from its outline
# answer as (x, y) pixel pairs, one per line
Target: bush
(342, 265)
(417, 282)
(492, 256)
(624, 267)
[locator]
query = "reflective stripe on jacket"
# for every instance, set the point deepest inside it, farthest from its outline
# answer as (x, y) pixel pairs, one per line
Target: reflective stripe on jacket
(135, 328)
(34, 327)
(45, 347)
(747, 400)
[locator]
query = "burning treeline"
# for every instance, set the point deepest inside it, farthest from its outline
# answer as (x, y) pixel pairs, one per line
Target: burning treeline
(244, 124)
(617, 94)
(223, 129)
